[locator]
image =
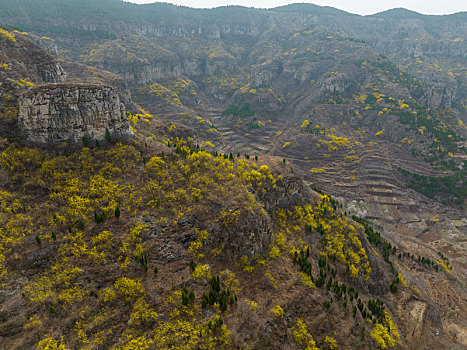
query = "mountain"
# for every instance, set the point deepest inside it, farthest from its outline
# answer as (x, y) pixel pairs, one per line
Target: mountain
(288, 104)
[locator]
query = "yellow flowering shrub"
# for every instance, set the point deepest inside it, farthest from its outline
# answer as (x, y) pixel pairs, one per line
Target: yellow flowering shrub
(128, 288)
(60, 283)
(5, 35)
(381, 336)
(142, 312)
(278, 311)
(331, 342)
(272, 279)
(253, 304)
(306, 280)
(50, 343)
(107, 295)
(301, 335)
(202, 271)
(274, 252)
(230, 281)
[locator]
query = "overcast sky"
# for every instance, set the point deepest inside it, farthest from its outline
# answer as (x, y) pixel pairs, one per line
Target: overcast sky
(363, 7)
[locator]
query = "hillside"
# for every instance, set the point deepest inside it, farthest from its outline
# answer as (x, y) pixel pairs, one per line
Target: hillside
(210, 226)
(382, 96)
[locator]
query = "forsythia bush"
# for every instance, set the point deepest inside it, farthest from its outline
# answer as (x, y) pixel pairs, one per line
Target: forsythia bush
(129, 288)
(278, 311)
(301, 335)
(50, 343)
(5, 35)
(202, 271)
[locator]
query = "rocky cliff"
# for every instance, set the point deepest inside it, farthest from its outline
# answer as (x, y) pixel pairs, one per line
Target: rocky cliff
(55, 113)
(37, 104)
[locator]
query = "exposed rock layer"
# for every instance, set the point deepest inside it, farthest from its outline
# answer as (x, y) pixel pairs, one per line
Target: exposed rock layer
(55, 113)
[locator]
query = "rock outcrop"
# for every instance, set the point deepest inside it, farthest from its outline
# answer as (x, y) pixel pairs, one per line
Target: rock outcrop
(336, 83)
(250, 236)
(440, 96)
(56, 113)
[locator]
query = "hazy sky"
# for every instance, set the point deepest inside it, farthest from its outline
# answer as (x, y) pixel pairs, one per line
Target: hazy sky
(363, 7)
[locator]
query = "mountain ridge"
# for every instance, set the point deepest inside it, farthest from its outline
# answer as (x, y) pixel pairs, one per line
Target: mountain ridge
(93, 9)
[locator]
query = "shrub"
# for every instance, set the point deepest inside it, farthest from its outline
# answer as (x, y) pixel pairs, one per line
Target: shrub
(86, 140)
(5, 35)
(128, 287)
(192, 265)
(143, 261)
(202, 271)
(108, 137)
(382, 337)
(278, 311)
(51, 344)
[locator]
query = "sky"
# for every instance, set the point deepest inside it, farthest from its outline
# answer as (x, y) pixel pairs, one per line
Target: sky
(362, 7)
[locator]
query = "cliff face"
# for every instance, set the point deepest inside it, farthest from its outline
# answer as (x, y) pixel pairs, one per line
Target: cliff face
(56, 113)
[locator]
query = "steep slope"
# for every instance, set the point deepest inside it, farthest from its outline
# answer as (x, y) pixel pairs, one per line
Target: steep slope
(23, 64)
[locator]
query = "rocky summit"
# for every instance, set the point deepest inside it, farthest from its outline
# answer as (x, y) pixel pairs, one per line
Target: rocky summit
(231, 178)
